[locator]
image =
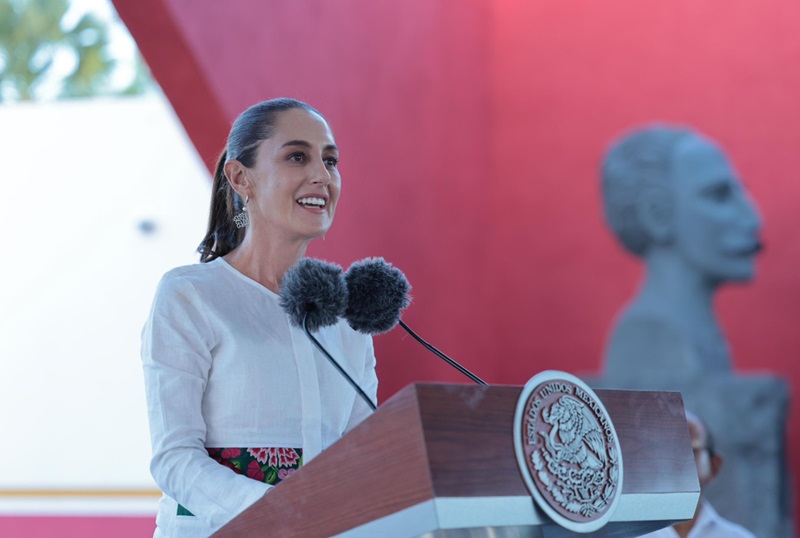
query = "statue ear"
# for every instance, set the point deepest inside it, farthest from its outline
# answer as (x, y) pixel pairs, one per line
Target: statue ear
(655, 210)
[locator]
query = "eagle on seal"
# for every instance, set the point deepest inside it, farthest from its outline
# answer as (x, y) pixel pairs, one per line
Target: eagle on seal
(576, 436)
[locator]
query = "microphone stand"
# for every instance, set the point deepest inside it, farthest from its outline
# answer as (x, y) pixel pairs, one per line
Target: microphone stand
(336, 364)
(442, 356)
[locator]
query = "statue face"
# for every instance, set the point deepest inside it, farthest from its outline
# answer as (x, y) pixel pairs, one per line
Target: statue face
(716, 224)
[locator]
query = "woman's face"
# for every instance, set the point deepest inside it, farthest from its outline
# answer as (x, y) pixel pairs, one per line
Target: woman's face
(295, 181)
(717, 225)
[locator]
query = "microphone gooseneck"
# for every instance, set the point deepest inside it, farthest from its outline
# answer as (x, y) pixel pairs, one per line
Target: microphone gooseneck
(442, 356)
(314, 295)
(336, 365)
(377, 293)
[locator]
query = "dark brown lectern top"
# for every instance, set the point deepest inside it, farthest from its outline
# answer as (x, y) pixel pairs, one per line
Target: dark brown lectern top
(438, 460)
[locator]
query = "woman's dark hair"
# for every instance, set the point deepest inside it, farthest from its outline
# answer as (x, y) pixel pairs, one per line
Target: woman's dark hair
(254, 125)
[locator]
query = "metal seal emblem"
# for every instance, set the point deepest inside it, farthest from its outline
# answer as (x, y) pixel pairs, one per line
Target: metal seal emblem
(568, 451)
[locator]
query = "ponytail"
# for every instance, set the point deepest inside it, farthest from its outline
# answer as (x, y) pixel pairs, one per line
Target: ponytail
(222, 236)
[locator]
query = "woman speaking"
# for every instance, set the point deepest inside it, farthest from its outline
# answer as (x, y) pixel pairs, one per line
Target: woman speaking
(237, 396)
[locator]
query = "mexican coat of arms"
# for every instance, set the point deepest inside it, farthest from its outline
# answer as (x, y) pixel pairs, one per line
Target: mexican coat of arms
(568, 451)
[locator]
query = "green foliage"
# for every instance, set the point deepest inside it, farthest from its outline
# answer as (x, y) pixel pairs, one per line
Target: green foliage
(33, 35)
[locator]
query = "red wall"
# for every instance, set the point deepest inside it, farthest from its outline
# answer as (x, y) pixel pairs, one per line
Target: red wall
(76, 526)
(471, 133)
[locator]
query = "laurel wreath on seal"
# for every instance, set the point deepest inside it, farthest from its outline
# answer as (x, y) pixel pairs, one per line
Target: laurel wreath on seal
(579, 491)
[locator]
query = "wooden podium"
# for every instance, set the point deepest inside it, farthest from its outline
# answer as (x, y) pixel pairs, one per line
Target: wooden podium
(437, 460)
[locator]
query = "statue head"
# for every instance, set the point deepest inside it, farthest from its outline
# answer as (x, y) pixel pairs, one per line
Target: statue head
(673, 191)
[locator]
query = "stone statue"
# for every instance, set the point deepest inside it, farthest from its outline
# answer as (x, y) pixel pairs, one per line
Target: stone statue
(673, 199)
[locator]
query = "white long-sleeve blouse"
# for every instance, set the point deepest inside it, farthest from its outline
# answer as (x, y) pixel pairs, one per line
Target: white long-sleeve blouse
(224, 367)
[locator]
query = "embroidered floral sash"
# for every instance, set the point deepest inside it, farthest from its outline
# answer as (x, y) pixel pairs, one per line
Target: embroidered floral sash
(268, 465)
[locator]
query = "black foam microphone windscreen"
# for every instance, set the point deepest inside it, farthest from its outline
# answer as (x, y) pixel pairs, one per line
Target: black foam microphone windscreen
(377, 293)
(314, 290)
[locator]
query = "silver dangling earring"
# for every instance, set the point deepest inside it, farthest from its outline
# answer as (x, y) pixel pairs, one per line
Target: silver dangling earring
(242, 219)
